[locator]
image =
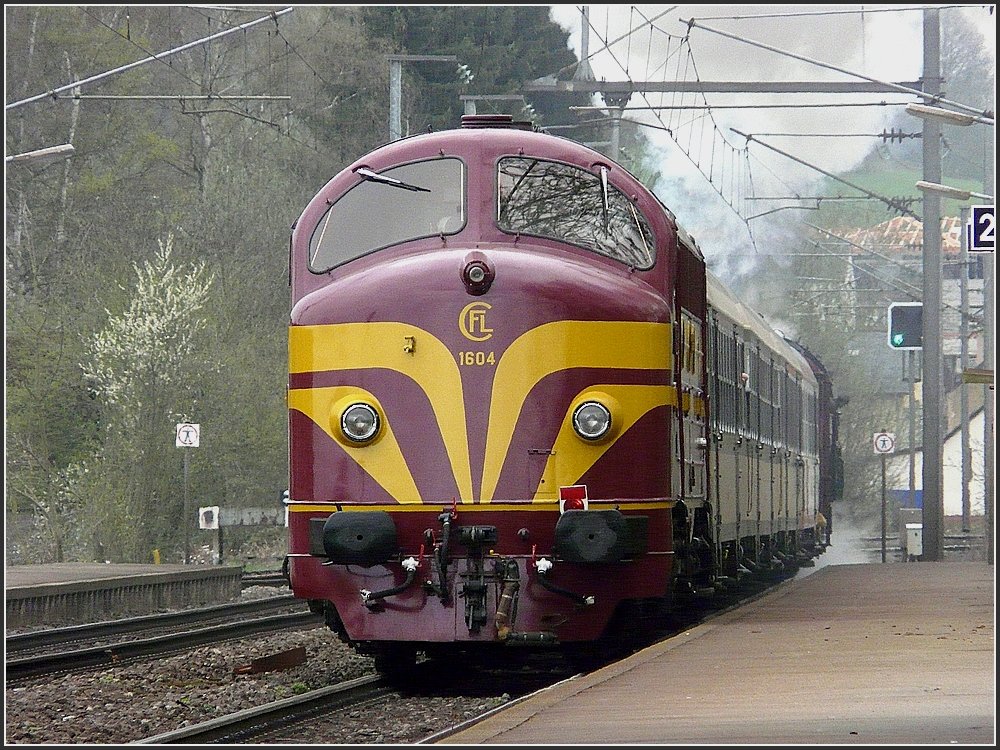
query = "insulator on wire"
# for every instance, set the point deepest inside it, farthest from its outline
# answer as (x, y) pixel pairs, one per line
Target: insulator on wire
(896, 135)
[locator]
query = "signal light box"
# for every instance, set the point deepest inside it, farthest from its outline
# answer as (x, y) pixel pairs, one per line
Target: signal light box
(906, 325)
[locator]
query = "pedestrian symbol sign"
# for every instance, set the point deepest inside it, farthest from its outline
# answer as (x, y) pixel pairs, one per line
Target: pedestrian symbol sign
(884, 442)
(188, 435)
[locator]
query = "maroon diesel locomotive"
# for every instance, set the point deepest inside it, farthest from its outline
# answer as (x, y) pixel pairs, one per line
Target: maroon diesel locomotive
(519, 404)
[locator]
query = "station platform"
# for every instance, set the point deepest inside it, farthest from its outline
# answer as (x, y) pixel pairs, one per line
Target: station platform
(58, 594)
(850, 654)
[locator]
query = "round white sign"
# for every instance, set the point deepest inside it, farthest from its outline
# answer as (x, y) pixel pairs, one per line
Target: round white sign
(188, 435)
(884, 442)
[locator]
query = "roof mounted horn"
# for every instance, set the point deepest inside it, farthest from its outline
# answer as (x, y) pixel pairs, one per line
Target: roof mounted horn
(495, 121)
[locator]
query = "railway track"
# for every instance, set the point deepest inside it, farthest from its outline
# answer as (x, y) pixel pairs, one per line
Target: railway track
(424, 710)
(315, 717)
(61, 636)
(253, 722)
(78, 659)
(285, 721)
(264, 578)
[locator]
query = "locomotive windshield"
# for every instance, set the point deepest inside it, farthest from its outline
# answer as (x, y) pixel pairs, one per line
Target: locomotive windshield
(421, 199)
(572, 205)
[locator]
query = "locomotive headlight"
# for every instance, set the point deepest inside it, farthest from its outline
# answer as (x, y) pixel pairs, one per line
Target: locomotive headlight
(591, 420)
(359, 422)
(477, 273)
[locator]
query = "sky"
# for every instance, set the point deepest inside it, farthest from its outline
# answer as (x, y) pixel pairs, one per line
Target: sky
(711, 200)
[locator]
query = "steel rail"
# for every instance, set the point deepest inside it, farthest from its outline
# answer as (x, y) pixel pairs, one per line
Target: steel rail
(89, 658)
(53, 636)
(258, 718)
(272, 578)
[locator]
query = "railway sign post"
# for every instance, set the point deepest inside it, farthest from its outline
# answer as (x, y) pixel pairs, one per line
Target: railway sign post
(883, 444)
(187, 435)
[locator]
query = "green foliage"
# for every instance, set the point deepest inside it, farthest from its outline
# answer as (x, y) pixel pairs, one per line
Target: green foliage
(503, 46)
(91, 457)
(142, 366)
(895, 182)
(52, 421)
(92, 396)
(146, 347)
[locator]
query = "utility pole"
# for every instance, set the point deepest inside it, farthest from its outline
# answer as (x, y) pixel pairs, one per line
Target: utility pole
(913, 379)
(989, 407)
(933, 504)
(616, 102)
(963, 363)
(583, 71)
(396, 87)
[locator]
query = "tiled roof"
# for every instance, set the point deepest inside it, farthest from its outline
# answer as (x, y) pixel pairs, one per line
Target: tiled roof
(904, 235)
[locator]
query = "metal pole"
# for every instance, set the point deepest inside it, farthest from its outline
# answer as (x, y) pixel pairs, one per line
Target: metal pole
(883, 507)
(933, 93)
(989, 407)
(186, 521)
(963, 363)
(583, 71)
(616, 129)
(933, 506)
(912, 357)
(395, 98)
(396, 87)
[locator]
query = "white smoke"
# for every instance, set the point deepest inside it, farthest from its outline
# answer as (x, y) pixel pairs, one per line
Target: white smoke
(882, 44)
(849, 544)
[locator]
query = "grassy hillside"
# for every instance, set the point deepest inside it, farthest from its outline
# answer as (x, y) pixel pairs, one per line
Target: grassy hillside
(896, 182)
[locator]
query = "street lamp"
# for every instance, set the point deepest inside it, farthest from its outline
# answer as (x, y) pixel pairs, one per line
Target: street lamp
(948, 116)
(42, 156)
(951, 192)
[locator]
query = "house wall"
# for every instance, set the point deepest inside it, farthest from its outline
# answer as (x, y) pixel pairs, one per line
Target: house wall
(898, 470)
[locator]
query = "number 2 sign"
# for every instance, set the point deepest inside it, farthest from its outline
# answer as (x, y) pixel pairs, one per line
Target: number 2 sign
(982, 230)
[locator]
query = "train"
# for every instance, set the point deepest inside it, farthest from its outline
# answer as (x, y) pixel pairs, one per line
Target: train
(522, 410)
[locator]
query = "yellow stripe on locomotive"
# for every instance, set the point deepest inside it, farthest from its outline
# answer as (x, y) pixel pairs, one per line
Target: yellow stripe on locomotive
(536, 354)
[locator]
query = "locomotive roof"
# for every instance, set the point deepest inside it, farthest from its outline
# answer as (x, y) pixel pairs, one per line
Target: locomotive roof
(512, 134)
(722, 299)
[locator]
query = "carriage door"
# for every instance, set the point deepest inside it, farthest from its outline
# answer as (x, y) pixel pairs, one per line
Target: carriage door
(693, 409)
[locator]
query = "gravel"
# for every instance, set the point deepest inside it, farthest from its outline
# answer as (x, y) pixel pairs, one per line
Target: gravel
(125, 703)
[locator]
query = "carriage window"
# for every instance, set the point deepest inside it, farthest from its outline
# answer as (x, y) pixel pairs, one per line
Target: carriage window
(567, 203)
(403, 203)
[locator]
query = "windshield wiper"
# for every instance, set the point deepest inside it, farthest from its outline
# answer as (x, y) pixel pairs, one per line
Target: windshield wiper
(376, 177)
(604, 198)
(506, 200)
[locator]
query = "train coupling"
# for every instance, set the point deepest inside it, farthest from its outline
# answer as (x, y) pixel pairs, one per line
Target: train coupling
(371, 598)
(543, 566)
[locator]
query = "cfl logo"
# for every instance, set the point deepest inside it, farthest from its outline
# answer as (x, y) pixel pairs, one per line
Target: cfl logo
(472, 322)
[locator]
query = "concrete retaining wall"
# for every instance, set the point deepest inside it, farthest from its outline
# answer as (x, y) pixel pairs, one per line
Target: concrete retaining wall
(105, 593)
